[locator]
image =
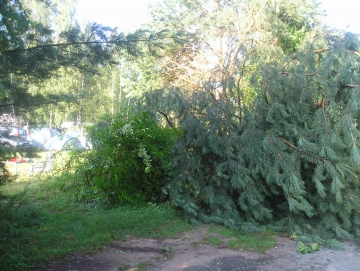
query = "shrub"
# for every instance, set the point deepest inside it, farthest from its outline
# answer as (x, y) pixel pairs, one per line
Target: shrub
(130, 159)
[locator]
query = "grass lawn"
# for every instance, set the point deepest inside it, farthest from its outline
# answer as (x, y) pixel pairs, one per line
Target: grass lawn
(50, 223)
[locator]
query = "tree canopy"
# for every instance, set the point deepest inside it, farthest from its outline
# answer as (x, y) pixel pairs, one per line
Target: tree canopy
(32, 51)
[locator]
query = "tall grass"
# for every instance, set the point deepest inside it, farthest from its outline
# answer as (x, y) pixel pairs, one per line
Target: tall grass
(44, 218)
(47, 223)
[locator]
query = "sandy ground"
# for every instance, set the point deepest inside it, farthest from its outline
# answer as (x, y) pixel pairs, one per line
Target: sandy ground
(188, 252)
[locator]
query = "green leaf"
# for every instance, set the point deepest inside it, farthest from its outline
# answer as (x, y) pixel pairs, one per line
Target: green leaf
(315, 247)
(167, 249)
(302, 248)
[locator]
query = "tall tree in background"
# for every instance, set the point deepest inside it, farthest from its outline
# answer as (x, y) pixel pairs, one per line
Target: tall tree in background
(230, 41)
(58, 15)
(231, 38)
(32, 52)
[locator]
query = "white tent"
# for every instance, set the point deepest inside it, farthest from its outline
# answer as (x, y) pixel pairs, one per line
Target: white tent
(43, 135)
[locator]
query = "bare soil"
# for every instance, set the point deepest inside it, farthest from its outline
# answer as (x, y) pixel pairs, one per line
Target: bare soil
(188, 252)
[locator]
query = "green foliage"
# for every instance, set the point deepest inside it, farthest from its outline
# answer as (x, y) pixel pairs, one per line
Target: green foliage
(302, 248)
(15, 219)
(237, 240)
(293, 157)
(46, 223)
(5, 175)
(32, 53)
(230, 39)
(13, 23)
(290, 25)
(130, 161)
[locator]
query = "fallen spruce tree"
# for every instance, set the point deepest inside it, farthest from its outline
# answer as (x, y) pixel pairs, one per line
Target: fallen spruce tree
(290, 159)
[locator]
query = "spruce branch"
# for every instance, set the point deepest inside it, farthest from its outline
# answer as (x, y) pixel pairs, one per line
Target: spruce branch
(327, 50)
(288, 143)
(352, 198)
(321, 51)
(67, 44)
(356, 53)
(305, 152)
(166, 117)
(350, 85)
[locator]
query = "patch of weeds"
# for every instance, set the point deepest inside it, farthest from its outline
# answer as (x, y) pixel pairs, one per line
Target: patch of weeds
(171, 228)
(237, 240)
(194, 244)
(213, 240)
(14, 188)
(302, 248)
(167, 249)
(140, 267)
(123, 267)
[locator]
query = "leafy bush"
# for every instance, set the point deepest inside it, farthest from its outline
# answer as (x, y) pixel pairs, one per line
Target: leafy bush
(129, 162)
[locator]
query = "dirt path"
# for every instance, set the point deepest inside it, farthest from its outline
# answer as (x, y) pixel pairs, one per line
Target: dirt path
(188, 253)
